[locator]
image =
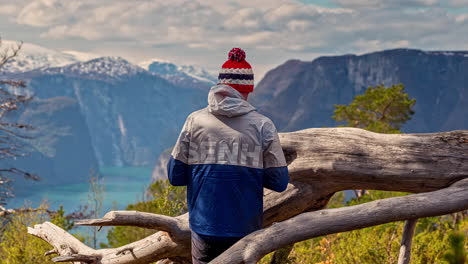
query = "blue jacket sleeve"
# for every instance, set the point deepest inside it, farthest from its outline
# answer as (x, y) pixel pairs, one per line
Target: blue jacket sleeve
(177, 168)
(276, 178)
(177, 172)
(276, 175)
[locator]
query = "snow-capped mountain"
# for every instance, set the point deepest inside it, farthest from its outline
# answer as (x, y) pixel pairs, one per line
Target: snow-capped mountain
(108, 67)
(33, 56)
(200, 73)
(184, 75)
(81, 56)
(40, 59)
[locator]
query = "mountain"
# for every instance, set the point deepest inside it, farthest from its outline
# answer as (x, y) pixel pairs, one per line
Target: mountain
(307, 91)
(62, 149)
(81, 56)
(98, 112)
(32, 57)
(200, 73)
(160, 167)
(103, 68)
(106, 112)
(132, 114)
(185, 75)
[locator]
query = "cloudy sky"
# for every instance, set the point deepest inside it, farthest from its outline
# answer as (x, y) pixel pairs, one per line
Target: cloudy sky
(201, 32)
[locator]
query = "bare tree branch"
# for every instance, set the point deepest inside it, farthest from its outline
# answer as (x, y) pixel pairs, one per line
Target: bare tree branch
(12, 134)
(5, 212)
(9, 53)
(328, 221)
(140, 219)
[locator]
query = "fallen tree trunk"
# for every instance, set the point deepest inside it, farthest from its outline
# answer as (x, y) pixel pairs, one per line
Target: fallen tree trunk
(321, 161)
(329, 221)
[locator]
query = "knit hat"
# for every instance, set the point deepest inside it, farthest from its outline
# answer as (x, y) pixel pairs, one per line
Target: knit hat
(237, 72)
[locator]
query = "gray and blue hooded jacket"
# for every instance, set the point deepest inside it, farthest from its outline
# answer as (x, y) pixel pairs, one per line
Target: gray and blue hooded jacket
(226, 154)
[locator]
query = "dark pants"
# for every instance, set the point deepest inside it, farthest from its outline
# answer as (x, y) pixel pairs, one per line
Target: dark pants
(207, 248)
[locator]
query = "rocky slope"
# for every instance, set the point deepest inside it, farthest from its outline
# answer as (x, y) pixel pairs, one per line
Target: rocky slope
(62, 150)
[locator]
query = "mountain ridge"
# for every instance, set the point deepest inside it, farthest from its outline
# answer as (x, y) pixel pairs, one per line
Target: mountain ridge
(34, 59)
(307, 90)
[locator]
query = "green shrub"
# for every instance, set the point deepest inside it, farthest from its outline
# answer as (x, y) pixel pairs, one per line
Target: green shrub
(164, 199)
(19, 247)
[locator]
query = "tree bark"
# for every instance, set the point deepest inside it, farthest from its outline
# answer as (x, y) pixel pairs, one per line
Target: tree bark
(321, 161)
(406, 241)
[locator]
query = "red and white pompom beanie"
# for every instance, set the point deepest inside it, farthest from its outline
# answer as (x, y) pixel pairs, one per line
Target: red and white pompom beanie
(237, 72)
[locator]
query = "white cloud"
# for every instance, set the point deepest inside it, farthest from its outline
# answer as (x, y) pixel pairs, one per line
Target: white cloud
(380, 4)
(299, 25)
(43, 13)
(255, 38)
(386, 3)
(8, 9)
(275, 29)
(458, 3)
(461, 18)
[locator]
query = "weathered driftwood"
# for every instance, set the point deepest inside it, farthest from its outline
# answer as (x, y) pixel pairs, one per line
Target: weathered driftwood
(321, 161)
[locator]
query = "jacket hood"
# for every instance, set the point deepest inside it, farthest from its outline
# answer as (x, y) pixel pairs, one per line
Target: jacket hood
(227, 101)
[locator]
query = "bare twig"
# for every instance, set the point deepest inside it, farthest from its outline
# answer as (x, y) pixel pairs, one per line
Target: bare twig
(12, 137)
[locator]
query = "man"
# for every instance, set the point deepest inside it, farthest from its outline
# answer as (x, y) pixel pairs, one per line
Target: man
(226, 154)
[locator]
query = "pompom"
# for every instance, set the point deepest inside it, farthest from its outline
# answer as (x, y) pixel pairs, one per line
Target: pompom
(236, 54)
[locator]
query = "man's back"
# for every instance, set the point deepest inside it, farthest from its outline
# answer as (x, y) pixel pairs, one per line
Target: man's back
(230, 152)
(226, 154)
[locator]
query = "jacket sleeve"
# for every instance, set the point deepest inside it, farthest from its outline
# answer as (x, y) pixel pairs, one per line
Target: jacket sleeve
(177, 168)
(276, 175)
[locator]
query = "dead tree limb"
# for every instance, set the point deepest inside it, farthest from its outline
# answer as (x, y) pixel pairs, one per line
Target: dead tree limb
(328, 221)
(406, 241)
(321, 161)
(5, 212)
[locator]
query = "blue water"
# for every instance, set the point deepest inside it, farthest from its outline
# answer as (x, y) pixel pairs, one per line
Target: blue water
(122, 186)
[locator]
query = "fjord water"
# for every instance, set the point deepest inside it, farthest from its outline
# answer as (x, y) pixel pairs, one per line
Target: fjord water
(122, 186)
